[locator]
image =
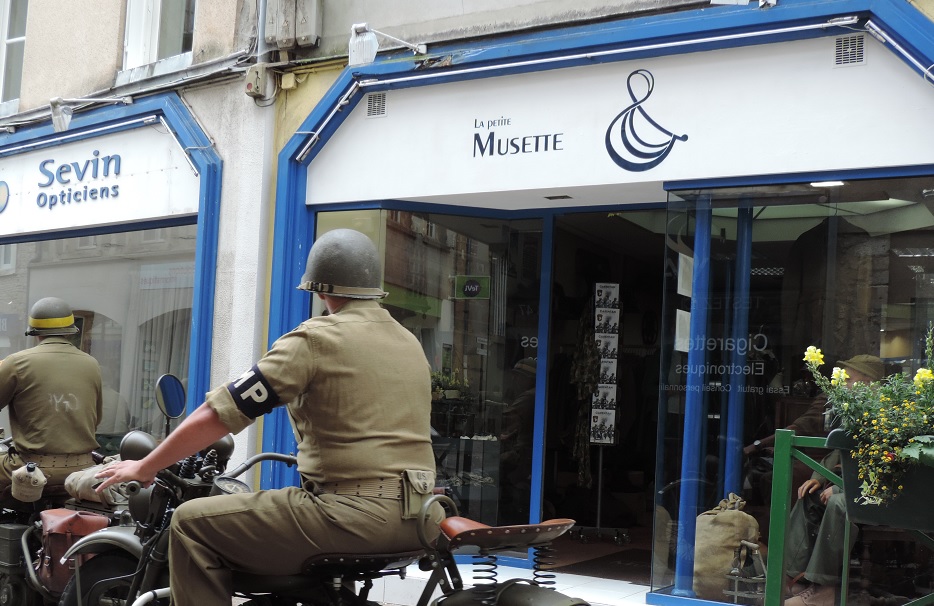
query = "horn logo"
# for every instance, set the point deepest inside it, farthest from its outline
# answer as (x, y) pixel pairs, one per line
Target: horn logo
(634, 140)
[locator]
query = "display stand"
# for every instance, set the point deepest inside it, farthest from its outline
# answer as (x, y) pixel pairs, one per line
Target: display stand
(607, 315)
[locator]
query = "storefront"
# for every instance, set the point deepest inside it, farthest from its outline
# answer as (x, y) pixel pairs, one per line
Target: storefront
(616, 241)
(117, 216)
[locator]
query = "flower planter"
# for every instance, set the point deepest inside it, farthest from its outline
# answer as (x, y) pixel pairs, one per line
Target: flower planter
(911, 510)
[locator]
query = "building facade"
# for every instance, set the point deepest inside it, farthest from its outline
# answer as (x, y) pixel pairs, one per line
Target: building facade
(614, 229)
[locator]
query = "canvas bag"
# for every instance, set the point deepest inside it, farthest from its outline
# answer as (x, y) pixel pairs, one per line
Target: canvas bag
(719, 533)
(60, 529)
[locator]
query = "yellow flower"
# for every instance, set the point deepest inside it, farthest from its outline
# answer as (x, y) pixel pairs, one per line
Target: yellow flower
(813, 355)
(922, 376)
(838, 377)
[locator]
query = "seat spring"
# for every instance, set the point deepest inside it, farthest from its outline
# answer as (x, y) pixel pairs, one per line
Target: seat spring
(484, 576)
(542, 556)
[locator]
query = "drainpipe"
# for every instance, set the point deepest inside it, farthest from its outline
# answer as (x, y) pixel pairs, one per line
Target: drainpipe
(692, 457)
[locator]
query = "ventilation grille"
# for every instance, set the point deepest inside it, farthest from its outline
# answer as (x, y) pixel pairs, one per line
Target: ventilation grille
(767, 271)
(849, 50)
(375, 105)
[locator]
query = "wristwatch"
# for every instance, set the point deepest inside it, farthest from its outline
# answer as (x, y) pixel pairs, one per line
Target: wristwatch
(757, 445)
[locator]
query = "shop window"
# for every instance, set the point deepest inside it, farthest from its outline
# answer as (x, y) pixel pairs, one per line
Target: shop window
(755, 276)
(159, 30)
(132, 302)
(477, 318)
(13, 31)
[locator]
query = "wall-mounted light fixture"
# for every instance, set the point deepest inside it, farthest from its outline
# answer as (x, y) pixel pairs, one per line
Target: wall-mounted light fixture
(62, 109)
(363, 45)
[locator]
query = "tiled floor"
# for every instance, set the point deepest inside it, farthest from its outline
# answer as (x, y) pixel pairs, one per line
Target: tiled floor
(597, 592)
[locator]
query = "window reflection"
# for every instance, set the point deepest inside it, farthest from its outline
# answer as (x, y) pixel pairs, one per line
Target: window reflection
(848, 270)
(468, 288)
(131, 295)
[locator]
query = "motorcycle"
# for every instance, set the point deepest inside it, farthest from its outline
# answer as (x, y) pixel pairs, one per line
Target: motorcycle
(27, 554)
(133, 567)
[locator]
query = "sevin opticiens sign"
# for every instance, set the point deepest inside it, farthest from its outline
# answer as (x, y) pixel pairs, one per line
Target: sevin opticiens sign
(135, 175)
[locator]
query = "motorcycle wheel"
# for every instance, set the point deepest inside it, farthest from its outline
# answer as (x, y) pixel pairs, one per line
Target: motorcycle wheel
(105, 580)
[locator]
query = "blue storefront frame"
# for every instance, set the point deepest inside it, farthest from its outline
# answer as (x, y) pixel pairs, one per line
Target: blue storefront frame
(905, 31)
(204, 160)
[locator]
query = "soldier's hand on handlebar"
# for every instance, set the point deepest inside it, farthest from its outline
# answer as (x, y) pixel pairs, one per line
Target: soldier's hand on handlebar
(124, 471)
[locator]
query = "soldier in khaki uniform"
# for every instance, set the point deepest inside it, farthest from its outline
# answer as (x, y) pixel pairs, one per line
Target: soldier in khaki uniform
(54, 394)
(358, 390)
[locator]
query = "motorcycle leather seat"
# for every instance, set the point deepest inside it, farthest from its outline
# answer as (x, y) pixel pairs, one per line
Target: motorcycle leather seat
(463, 532)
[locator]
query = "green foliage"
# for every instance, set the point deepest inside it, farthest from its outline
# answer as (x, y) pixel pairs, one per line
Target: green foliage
(442, 381)
(889, 421)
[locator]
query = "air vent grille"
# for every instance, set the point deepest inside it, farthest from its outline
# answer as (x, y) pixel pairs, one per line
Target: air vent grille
(375, 105)
(767, 271)
(850, 50)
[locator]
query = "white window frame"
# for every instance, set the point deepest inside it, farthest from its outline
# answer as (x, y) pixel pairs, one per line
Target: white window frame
(7, 259)
(141, 44)
(151, 236)
(10, 107)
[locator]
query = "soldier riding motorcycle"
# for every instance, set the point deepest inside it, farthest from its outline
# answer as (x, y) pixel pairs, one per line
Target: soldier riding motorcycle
(41, 522)
(133, 566)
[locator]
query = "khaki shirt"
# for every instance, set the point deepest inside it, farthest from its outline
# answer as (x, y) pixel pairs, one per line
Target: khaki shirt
(358, 390)
(54, 394)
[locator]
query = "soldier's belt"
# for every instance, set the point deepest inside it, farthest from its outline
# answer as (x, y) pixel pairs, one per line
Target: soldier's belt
(381, 488)
(51, 461)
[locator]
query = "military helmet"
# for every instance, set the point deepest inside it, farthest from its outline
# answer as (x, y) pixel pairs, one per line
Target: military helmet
(344, 263)
(51, 316)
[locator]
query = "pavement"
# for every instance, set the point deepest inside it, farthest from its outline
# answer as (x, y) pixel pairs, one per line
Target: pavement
(596, 591)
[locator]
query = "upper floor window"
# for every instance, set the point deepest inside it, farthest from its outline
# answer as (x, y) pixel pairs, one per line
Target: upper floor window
(7, 258)
(156, 30)
(13, 38)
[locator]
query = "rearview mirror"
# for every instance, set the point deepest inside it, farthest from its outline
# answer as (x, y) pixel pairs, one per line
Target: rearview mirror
(170, 396)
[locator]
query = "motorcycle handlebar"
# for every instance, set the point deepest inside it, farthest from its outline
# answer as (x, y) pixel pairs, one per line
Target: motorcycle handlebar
(133, 486)
(259, 458)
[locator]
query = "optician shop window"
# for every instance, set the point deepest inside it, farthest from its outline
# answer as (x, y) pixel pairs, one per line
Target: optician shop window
(847, 267)
(132, 298)
(468, 288)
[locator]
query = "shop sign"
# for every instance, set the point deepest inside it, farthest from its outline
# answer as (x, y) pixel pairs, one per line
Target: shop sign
(471, 287)
(160, 276)
(135, 175)
(639, 122)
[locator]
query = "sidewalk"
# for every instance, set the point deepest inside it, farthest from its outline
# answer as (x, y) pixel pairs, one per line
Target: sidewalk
(598, 592)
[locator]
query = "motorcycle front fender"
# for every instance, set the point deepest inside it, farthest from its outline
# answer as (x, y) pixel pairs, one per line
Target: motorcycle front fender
(113, 538)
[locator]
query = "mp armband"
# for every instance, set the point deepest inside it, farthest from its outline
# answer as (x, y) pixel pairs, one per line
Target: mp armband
(252, 393)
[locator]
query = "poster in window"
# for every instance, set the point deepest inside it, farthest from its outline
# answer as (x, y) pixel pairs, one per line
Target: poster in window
(602, 426)
(607, 345)
(607, 312)
(606, 320)
(605, 398)
(607, 295)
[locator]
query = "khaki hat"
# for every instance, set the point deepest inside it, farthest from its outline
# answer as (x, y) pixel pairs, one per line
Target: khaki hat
(871, 366)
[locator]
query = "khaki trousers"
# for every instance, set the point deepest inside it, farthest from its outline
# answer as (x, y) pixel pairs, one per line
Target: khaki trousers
(273, 532)
(816, 548)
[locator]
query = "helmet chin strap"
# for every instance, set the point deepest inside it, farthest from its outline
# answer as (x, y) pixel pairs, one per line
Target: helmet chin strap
(351, 292)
